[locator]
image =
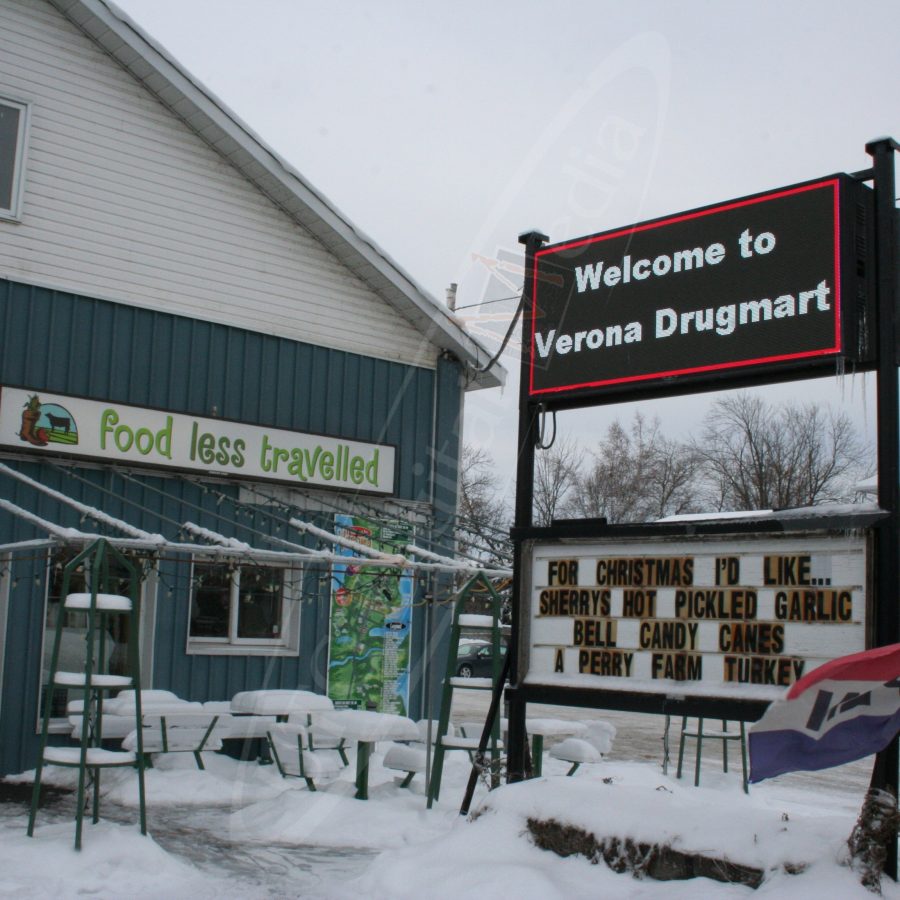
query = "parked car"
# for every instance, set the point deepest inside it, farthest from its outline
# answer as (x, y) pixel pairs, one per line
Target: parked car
(477, 661)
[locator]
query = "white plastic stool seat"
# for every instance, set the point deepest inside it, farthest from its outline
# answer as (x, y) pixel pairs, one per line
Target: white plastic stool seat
(105, 602)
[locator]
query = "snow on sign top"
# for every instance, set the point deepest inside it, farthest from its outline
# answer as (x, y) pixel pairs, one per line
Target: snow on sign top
(737, 617)
(755, 283)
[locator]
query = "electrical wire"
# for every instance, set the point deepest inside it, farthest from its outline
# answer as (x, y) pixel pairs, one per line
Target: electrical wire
(485, 302)
(493, 361)
(541, 444)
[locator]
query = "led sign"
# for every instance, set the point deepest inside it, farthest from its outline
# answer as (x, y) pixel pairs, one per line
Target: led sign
(759, 284)
(742, 617)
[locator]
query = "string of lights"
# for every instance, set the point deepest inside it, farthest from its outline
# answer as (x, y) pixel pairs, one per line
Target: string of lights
(156, 543)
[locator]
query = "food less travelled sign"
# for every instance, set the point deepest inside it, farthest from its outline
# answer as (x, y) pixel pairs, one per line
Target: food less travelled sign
(762, 281)
(113, 432)
(744, 617)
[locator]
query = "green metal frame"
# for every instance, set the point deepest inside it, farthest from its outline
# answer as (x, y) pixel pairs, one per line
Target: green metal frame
(309, 781)
(96, 560)
(434, 786)
(340, 747)
(724, 736)
(164, 735)
(363, 756)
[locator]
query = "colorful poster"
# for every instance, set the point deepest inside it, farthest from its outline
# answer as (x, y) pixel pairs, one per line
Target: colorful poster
(371, 621)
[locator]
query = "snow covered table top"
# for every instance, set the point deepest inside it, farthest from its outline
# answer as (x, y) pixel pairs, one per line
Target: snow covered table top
(151, 702)
(554, 727)
(541, 728)
(367, 725)
(279, 702)
(576, 750)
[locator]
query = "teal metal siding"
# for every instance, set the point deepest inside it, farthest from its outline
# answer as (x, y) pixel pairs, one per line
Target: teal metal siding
(57, 342)
(444, 458)
(76, 345)
(22, 663)
(148, 505)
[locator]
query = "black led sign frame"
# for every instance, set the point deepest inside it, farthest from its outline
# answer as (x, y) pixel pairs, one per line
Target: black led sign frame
(752, 288)
(794, 283)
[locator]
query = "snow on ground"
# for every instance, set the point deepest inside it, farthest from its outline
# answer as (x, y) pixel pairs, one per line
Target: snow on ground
(114, 862)
(238, 829)
(492, 857)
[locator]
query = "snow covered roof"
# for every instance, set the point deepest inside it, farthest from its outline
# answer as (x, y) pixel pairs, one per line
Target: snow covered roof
(213, 121)
(718, 516)
(855, 514)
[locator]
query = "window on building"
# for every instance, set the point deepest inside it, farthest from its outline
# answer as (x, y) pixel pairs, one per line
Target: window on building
(13, 133)
(237, 608)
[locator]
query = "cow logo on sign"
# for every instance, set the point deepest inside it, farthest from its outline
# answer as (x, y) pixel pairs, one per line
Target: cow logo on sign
(45, 423)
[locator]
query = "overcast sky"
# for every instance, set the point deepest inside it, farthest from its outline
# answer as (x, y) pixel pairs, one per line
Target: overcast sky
(446, 130)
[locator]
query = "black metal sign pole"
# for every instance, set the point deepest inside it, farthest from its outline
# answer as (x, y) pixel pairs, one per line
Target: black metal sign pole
(887, 534)
(528, 430)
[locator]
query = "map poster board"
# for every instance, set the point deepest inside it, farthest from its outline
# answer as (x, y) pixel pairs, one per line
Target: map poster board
(371, 622)
(733, 617)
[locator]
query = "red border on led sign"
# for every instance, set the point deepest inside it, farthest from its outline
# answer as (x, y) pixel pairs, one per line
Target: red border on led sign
(834, 183)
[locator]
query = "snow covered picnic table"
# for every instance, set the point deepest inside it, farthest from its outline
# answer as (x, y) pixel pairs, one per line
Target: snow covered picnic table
(255, 711)
(279, 703)
(366, 727)
(541, 728)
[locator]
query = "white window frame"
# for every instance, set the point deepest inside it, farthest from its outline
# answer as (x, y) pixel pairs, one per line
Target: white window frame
(14, 212)
(286, 644)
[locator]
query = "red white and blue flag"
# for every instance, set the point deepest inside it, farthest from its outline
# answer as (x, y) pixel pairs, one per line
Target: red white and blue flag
(844, 710)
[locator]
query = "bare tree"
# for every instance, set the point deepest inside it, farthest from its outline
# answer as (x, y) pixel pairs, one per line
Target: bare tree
(674, 478)
(759, 456)
(483, 520)
(555, 477)
(611, 486)
(637, 475)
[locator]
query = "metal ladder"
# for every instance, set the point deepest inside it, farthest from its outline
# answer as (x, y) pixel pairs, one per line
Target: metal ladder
(462, 623)
(93, 681)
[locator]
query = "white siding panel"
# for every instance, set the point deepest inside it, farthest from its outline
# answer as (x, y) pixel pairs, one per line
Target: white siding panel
(122, 201)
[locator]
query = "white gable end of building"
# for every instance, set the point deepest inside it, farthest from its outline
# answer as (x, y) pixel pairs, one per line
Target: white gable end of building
(124, 200)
